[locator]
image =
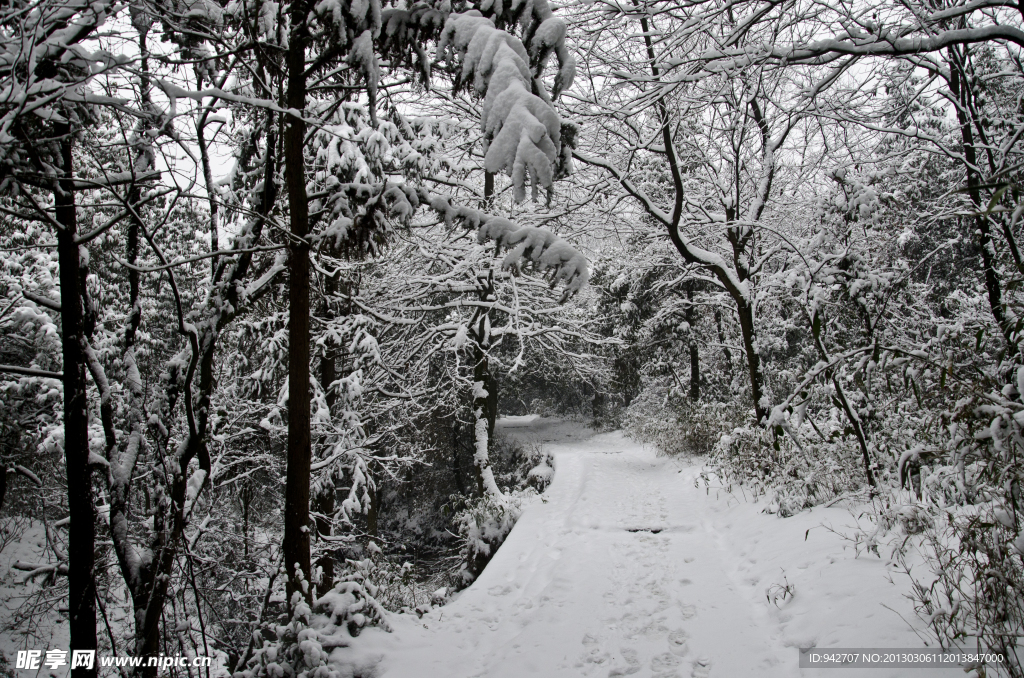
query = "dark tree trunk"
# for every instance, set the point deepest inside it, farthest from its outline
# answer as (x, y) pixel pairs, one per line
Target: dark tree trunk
(81, 531)
(744, 308)
(482, 373)
(841, 401)
(323, 504)
(457, 456)
(691, 319)
(296, 502)
(485, 407)
(485, 403)
(135, 314)
(246, 496)
(488, 190)
(725, 349)
(746, 315)
(597, 403)
(694, 372)
(373, 514)
(993, 286)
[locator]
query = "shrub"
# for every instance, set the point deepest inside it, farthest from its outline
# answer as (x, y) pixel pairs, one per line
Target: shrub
(484, 524)
(302, 647)
(675, 425)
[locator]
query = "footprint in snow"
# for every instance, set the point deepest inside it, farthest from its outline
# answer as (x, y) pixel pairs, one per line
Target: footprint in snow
(689, 611)
(632, 664)
(664, 666)
(677, 643)
(593, 653)
(701, 668)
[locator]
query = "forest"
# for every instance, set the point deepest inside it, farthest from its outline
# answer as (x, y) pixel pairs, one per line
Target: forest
(775, 237)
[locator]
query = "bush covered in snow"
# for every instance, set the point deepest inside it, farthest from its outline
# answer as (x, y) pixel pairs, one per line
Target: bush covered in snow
(675, 425)
(302, 647)
(514, 462)
(792, 478)
(484, 524)
(424, 529)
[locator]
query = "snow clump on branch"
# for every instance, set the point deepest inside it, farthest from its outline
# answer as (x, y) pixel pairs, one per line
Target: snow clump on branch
(522, 130)
(539, 246)
(542, 30)
(357, 24)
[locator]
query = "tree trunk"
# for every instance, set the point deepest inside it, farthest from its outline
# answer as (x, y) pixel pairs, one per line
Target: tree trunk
(489, 404)
(457, 456)
(744, 306)
(373, 513)
(246, 496)
(488, 190)
(993, 286)
(485, 399)
(597, 403)
(694, 372)
(841, 401)
(296, 501)
(81, 531)
(746, 315)
(691, 319)
(726, 353)
(485, 394)
(485, 386)
(323, 504)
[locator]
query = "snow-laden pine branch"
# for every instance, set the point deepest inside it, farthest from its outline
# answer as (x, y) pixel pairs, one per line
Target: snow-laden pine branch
(522, 130)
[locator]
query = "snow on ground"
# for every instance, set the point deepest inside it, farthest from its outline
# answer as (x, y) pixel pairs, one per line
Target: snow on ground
(524, 421)
(630, 566)
(27, 543)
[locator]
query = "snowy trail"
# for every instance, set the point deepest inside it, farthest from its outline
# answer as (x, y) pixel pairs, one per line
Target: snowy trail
(627, 568)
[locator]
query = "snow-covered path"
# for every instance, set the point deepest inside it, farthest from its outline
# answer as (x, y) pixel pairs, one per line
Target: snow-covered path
(628, 568)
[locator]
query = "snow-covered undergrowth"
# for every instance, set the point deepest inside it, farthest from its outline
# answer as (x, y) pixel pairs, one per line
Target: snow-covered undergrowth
(30, 616)
(317, 641)
(969, 588)
(439, 534)
(943, 512)
(792, 477)
(522, 470)
(658, 417)
(749, 459)
(484, 525)
(303, 647)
